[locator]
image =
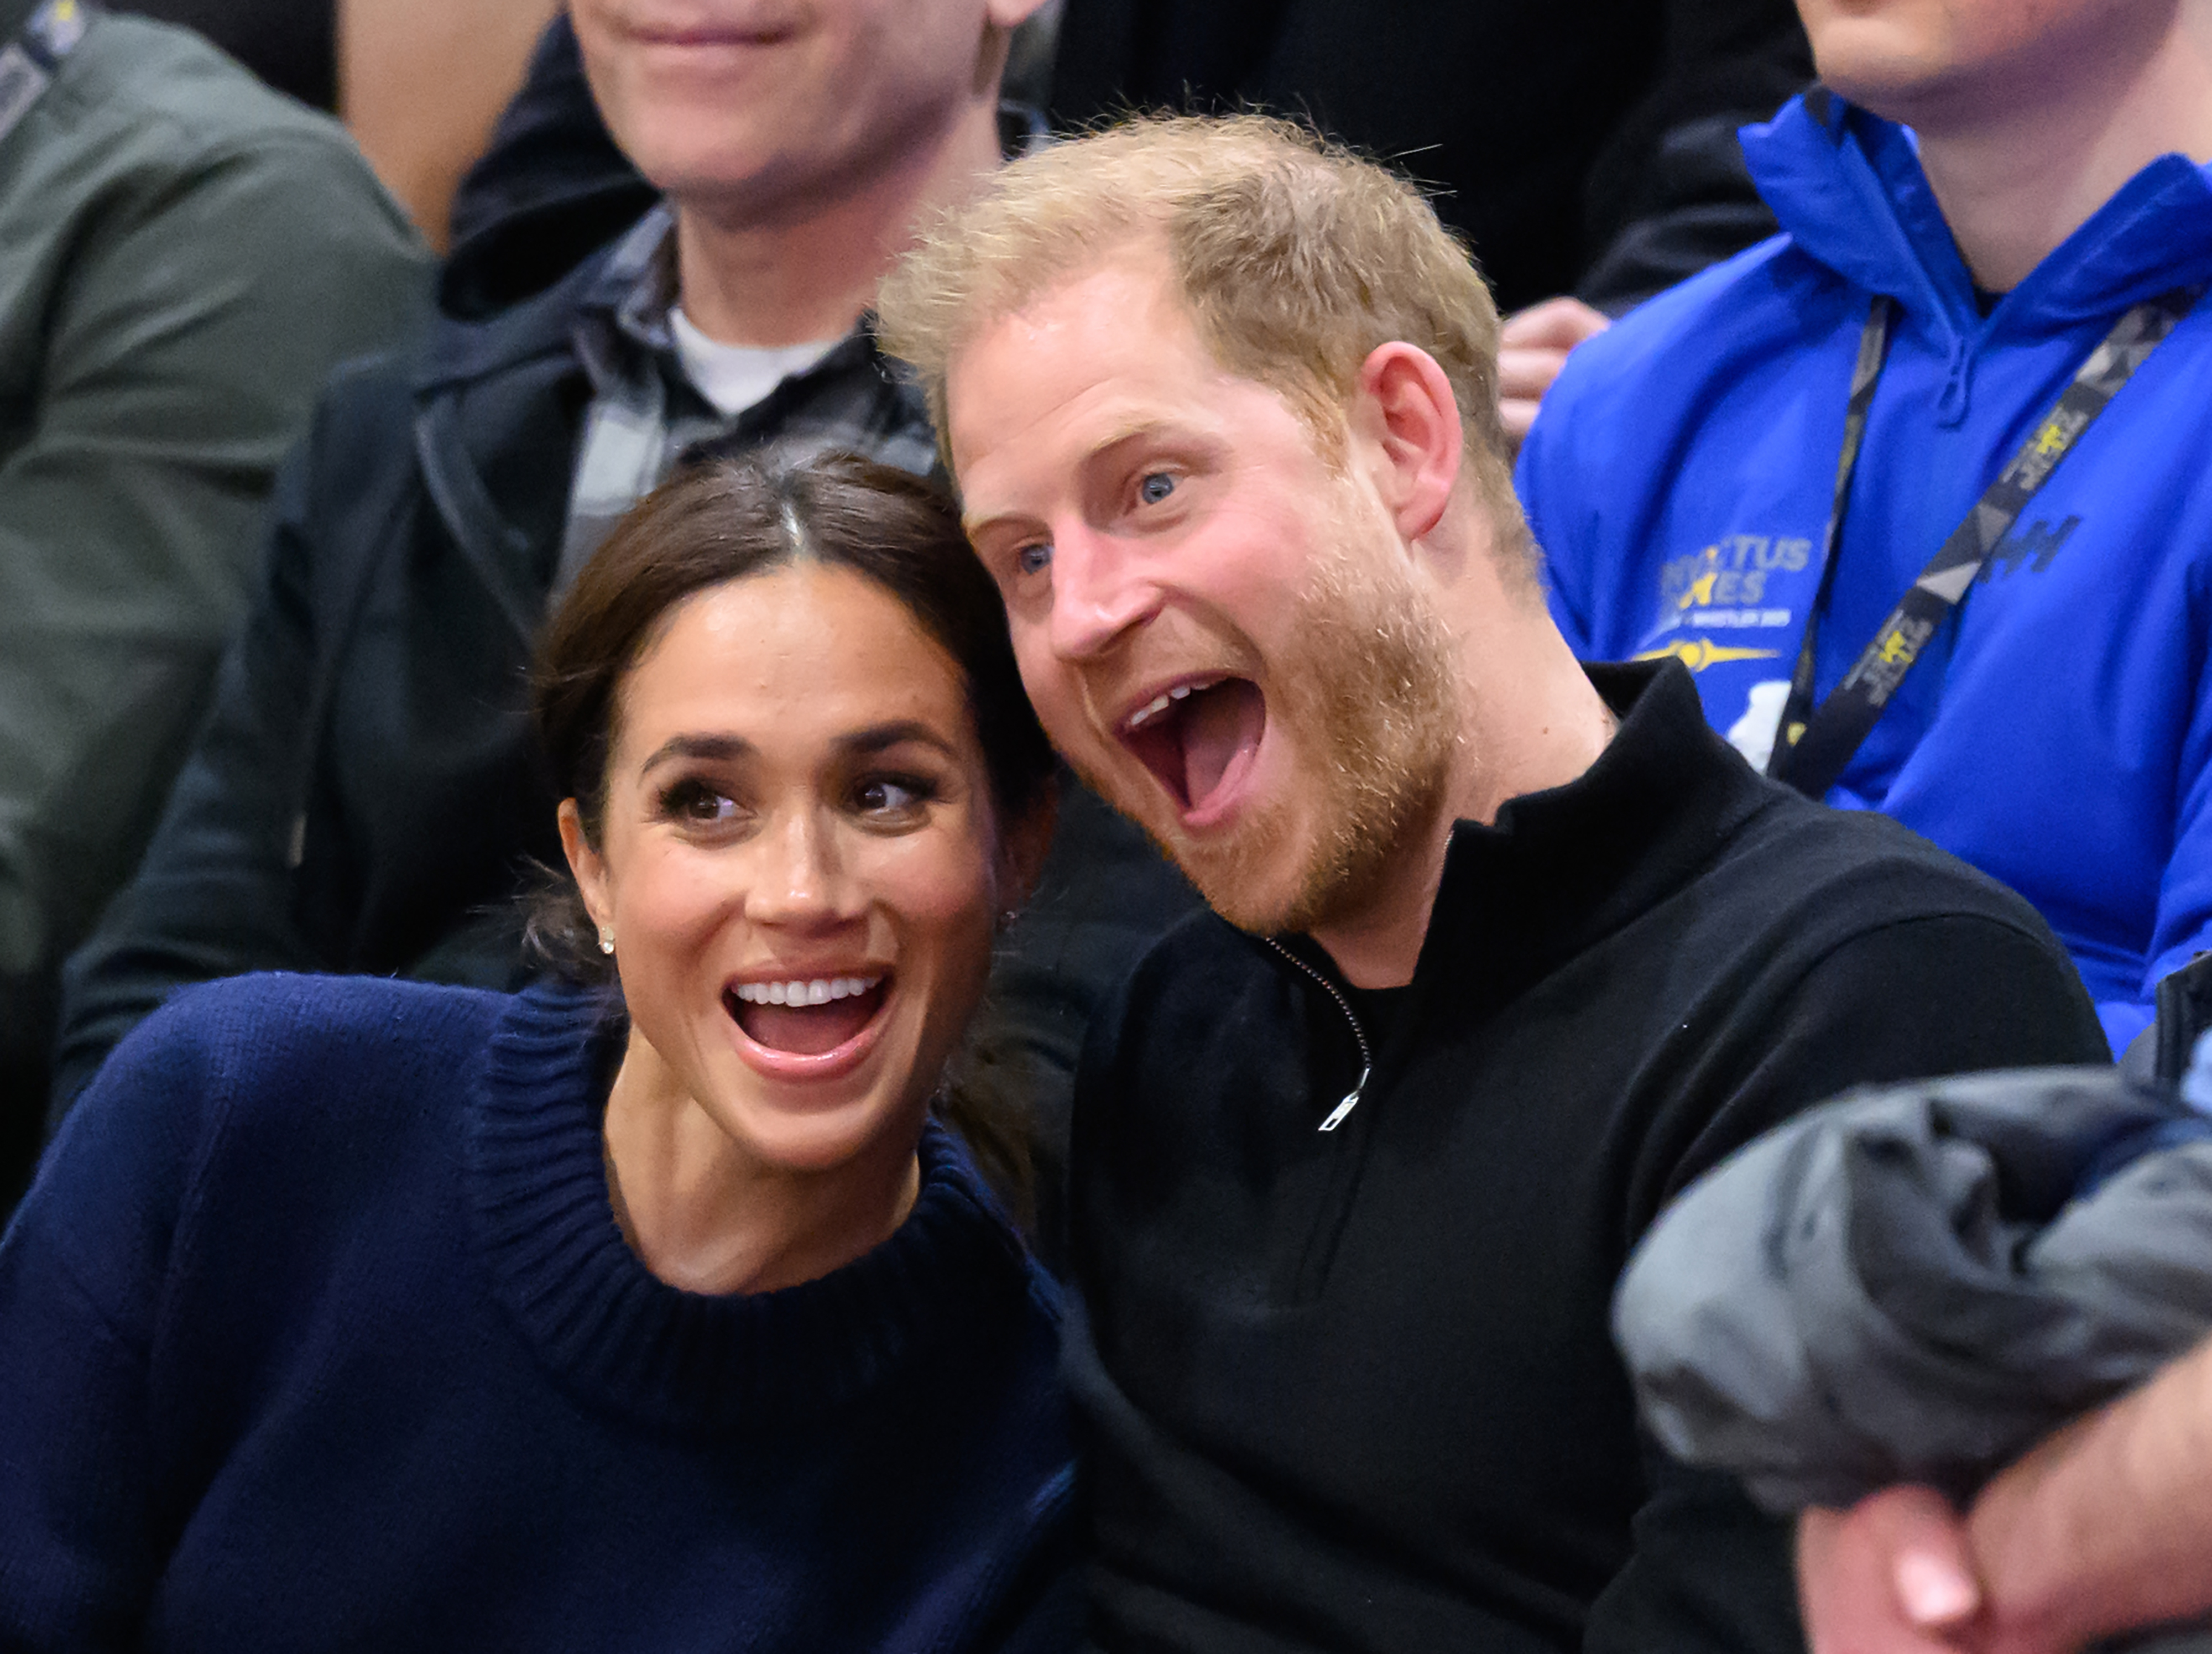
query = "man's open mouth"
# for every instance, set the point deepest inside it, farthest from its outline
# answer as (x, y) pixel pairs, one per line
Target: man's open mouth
(806, 1016)
(1198, 737)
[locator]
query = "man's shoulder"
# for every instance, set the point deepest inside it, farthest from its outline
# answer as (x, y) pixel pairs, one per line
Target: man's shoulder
(180, 105)
(1750, 302)
(1829, 948)
(1702, 359)
(1850, 871)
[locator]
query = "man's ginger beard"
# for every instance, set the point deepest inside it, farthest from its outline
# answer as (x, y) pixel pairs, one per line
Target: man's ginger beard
(1371, 701)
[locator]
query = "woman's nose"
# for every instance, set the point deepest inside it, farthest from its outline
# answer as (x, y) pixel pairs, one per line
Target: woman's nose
(798, 876)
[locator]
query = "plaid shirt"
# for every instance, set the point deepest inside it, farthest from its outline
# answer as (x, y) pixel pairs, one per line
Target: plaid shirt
(645, 415)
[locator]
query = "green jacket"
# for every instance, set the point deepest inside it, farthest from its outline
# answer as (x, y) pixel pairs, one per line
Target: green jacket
(183, 255)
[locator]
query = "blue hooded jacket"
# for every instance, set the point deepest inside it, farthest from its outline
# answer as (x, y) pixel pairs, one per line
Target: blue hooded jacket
(2055, 732)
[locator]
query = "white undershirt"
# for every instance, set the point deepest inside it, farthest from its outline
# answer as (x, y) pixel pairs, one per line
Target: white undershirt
(733, 377)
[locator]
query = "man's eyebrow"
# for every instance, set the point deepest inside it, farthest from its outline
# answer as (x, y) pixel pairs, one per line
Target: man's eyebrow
(713, 747)
(1122, 434)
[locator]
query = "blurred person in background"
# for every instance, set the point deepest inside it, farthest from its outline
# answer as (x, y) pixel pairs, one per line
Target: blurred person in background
(291, 45)
(420, 84)
(367, 796)
(649, 1308)
(1587, 151)
(183, 255)
(1919, 488)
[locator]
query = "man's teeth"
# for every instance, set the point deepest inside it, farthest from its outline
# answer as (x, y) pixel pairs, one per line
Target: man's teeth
(820, 991)
(1144, 714)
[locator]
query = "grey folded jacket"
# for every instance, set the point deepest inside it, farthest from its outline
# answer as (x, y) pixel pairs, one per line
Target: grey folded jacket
(1915, 1283)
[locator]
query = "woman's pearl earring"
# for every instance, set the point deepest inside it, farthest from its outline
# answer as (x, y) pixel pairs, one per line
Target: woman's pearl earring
(606, 939)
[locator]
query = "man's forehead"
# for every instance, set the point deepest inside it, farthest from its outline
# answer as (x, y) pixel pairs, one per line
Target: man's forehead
(1101, 346)
(1127, 288)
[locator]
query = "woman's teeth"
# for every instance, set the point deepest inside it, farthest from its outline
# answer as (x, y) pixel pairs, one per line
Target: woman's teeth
(820, 991)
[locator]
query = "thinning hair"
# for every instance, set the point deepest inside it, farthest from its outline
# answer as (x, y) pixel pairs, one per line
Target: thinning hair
(1295, 257)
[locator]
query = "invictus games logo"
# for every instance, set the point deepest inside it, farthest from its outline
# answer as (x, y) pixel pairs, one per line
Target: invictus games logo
(1699, 653)
(1737, 583)
(1732, 572)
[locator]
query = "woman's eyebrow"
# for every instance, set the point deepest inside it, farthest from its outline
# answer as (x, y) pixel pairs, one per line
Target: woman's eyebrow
(877, 737)
(697, 746)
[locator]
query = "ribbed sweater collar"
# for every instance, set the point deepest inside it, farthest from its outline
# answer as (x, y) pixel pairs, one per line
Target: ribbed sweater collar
(612, 1332)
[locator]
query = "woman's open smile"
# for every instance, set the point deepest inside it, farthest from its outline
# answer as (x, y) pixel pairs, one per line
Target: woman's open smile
(799, 1027)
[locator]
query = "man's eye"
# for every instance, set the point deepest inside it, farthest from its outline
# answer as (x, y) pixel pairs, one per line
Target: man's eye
(1033, 559)
(1156, 487)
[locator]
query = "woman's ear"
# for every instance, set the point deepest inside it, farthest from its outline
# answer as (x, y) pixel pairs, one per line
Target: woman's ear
(1025, 843)
(585, 862)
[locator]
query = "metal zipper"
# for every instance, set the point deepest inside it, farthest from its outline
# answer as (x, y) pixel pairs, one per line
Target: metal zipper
(1366, 1057)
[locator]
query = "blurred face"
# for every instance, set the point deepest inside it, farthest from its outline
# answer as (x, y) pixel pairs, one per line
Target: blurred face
(1907, 59)
(1218, 626)
(753, 106)
(800, 862)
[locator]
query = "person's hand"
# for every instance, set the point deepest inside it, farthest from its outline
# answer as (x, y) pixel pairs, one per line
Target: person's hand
(1532, 348)
(1892, 1575)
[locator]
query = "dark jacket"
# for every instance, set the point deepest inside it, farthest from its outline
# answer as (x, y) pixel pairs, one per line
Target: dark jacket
(183, 255)
(1917, 1283)
(1355, 1389)
(1586, 148)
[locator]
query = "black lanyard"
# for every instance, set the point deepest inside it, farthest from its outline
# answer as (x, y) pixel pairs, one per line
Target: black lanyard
(1812, 746)
(28, 63)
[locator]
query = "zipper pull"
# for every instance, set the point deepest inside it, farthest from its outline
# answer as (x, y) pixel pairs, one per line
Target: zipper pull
(1351, 1102)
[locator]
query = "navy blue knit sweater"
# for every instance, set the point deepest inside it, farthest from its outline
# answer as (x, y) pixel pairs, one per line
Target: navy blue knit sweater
(316, 1332)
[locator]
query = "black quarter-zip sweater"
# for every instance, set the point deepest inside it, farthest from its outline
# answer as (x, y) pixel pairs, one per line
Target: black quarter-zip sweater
(1353, 1389)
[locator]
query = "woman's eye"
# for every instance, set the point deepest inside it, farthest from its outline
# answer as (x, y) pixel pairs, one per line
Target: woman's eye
(1156, 487)
(1033, 559)
(696, 802)
(893, 798)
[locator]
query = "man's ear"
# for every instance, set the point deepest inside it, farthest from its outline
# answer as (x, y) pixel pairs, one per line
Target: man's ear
(1025, 843)
(585, 863)
(1406, 429)
(1011, 14)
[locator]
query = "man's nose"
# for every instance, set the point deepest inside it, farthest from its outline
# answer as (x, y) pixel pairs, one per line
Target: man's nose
(1101, 592)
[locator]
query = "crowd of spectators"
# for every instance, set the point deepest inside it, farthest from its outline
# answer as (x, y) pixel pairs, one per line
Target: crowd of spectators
(1598, 575)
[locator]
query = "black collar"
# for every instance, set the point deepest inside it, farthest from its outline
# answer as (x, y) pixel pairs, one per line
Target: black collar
(1561, 869)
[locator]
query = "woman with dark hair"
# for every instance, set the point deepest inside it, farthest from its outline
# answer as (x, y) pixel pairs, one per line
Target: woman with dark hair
(646, 1308)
